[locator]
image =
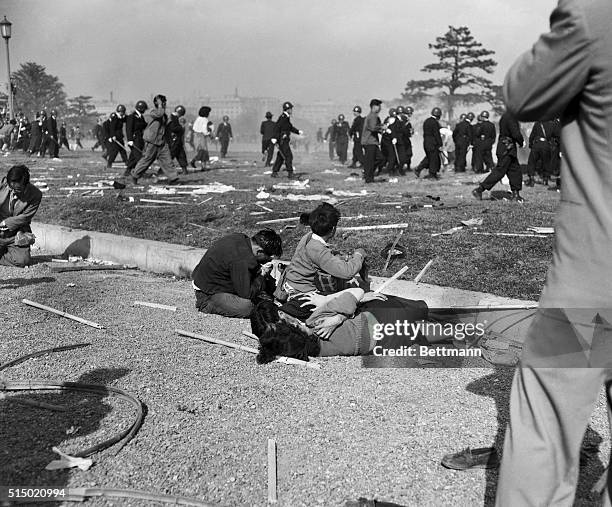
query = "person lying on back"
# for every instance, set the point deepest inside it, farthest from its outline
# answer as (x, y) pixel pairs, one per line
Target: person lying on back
(231, 276)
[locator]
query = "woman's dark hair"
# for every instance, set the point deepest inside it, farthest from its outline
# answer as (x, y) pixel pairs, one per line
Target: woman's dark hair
(204, 111)
(322, 219)
(19, 173)
(277, 338)
(270, 242)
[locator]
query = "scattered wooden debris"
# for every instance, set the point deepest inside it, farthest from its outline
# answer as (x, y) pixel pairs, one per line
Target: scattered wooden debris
(91, 267)
(417, 278)
(512, 234)
(156, 305)
(264, 207)
(373, 227)
(272, 479)
(67, 461)
(542, 230)
(448, 232)
(251, 350)
(392, 279)
(159, 201)
(62, 314)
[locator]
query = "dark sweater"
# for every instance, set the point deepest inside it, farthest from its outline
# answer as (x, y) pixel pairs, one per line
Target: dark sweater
(228, 266)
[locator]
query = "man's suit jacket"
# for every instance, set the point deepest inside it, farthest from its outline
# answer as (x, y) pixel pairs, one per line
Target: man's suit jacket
(568, 74)
(134, 127)
(432, 140)
(24, 210)
(50, 127)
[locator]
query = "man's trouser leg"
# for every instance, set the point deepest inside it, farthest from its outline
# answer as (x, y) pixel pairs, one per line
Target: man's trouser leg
(278, 162)
(514, 174)
(477, 161)
(288, 156)
(135, 155)
(149, 155)
(460, 154)
(55, 147)
(224, 144)
(369, 162)
(165, 161)
(433, 160)
(228, 305)
(269, 152)
(123, 153)
(487, 156)
(550, 409)
(16, 256)
(111, 153)
(332, 147)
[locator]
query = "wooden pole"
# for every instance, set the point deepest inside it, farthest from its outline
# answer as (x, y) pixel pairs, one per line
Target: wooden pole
(62, 314)
(512, 234)
(156, 305)
(251, 350)
(417, 279)
(373, 227)
(272, 482)
(392, 279)
(158, 201)
(389, 255)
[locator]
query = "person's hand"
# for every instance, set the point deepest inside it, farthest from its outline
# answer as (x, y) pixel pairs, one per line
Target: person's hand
(362, 252)
(110, 139)
(440, 148)
(130, 143)
(273, 141)
(313, 299)
(327, 325)
(266, 268)
(301, 132)
(373, 296)
(394, 141)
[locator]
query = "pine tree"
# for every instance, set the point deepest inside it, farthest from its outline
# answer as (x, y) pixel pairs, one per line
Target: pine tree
(36, 90)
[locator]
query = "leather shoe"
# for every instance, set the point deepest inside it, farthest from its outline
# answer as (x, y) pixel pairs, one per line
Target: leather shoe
(477, 193)
(483, 457)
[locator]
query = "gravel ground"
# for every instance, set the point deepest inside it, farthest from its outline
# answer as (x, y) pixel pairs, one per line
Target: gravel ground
(342, 432)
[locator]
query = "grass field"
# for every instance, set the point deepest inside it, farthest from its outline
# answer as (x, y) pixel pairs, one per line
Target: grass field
(508, 266)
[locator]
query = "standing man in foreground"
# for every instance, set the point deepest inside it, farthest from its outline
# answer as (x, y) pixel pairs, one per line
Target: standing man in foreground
(231, 277)
(134, 128)
(462, 136)
(566, 356)
(282, 136)
(224, 135)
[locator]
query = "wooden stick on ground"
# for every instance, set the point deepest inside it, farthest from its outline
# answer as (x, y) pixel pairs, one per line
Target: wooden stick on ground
(62, 314)
(156, 305)
(159, 201)
(251, 350)
(392, 279)
(272, 486)
(512, 234)
(389, 255)
(94, 267)
(263, 207)
(417, 278)
(373, 227)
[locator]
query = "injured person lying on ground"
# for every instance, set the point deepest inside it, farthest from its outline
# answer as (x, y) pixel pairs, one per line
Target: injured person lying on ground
(350, 323)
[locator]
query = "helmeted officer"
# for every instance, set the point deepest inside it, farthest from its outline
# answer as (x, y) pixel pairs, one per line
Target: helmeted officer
(355, 134)
(282, 137)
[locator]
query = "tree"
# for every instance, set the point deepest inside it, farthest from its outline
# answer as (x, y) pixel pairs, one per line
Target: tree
(36, 90)
(82, 112)
(461, 62)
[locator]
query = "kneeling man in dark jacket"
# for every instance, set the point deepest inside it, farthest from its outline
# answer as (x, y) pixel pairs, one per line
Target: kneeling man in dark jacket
(230, 277)
(19, 201)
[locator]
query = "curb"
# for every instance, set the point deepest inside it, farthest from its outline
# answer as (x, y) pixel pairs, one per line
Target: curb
(147, 255)
(180, 260)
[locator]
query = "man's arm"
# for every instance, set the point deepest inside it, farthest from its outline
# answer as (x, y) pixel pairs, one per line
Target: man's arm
(25, 217)
(129, 128)
(241, 278)
(543, 81)
(337, 267)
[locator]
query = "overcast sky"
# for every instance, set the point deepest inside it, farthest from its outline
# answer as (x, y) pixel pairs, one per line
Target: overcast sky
(291, 49)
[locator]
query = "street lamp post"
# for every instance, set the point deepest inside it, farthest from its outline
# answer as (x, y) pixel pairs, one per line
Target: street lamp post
(5, 30)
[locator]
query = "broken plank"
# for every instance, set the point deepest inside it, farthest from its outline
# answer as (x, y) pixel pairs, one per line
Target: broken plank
(62, 314)
(373, 227)
(156, 305)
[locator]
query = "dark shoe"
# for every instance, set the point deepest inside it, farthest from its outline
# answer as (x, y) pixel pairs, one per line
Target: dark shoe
(175, 181)
(517, 197)
(291, 176)
(477, 193)
(185, 171)
(134, 180)
(118, 186)
(484, 457)
(192, 164)
(417, 171)
(530, 182)
(274, 175)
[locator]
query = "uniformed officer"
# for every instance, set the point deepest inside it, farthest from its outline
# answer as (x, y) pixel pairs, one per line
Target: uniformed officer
(507, 161)
(49, 136)
(282, 137)
(355, 134)
(432, 144)
(397, 153)
(484, 138)
(176, 137)
(408, 132)
(540, 156)
(342, 138)
(462, 137)
(114, 137)
(386, 146)
(134, 127)
(267, 133)
(224, 135)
